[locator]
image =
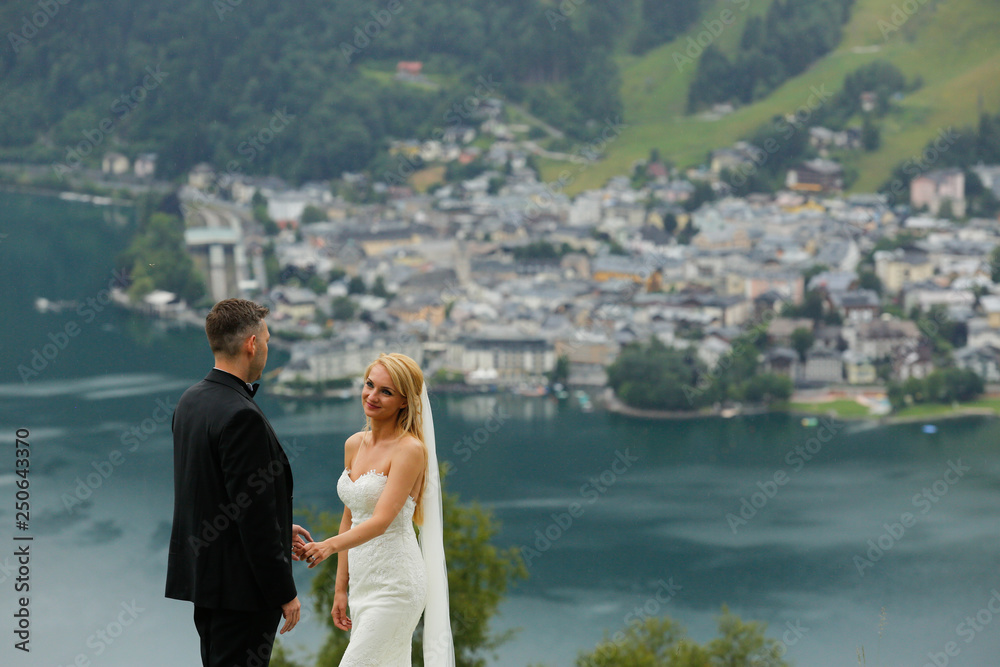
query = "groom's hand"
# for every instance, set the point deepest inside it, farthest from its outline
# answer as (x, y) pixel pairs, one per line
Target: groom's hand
(291, 611)
(300, 536)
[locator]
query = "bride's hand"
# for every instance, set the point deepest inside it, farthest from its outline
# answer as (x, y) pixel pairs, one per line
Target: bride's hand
(315, 553)
(339, 611)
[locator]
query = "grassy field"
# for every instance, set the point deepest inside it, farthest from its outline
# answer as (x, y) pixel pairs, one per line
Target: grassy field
(985, 403)
(950, 44)
(848, 409)
(924, 411)
(425, 178)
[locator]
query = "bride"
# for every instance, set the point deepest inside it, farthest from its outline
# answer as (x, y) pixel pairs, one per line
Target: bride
(390, 481)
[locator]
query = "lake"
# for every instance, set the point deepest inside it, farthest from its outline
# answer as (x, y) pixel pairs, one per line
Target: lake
(814, 530)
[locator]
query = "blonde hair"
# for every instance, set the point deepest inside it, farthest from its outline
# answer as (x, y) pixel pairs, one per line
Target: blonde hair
(409, 382)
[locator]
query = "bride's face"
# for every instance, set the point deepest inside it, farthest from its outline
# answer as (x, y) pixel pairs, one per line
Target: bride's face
(379, 396)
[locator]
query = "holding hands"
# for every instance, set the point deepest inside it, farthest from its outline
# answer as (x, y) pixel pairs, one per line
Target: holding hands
(300, 536)
(315, 553)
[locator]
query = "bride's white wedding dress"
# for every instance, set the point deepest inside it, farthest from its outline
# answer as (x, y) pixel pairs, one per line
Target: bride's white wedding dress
(388, 580)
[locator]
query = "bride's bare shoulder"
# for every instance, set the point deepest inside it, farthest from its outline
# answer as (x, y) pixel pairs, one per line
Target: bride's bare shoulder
(411, 446)
(352, 445)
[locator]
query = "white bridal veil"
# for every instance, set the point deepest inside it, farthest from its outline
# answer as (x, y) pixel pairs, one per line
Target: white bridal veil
(439, 650)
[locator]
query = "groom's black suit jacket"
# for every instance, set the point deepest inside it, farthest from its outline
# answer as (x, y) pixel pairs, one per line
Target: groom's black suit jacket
(231, 543)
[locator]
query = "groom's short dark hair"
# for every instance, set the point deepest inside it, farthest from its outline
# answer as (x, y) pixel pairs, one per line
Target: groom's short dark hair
(230, 322)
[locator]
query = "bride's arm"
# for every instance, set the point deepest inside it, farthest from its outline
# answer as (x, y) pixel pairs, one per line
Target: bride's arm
(343, 573)
(340, 589)
(339, 609)
(407, 466)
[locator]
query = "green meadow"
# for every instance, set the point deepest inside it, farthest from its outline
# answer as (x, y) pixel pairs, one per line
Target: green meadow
(951, 45)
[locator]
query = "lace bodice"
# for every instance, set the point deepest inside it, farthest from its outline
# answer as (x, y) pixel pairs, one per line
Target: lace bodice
(362, 494)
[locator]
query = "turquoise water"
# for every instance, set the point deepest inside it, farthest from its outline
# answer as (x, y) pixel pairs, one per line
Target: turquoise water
(619, 517)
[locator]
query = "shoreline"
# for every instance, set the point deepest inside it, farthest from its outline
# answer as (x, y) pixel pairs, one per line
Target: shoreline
(614, 405)
(954, 413)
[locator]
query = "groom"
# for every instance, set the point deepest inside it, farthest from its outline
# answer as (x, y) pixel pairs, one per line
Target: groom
(232, 538)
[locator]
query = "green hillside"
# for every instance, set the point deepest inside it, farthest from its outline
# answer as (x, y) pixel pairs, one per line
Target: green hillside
(204, 81)
(950, 44)
(80, 82)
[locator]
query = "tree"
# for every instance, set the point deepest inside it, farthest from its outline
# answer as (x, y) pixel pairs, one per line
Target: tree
(868, 280)
(896, 396)
(811, 307)
(802, 341)
(970, 145)
(318, 284)
(230, 111)
(733, 377)
(945, 385)
(685, 236)
(261, 216)
(661, 22)
(871, 136)
(662, 642)
(963, 384)
(258, 199)
(812, 271)
(767, 387)
(495, 184)
(535, 250)
(478, 576)
(158, 259)
(356, 285)
(703, 192)
(560, 373)
(658, 377)
(272, 267)
(379, 289)
(670, 223)
(980, 200)
(995, 264)
(946, 210)
(944, 333)
(343, 309)
(791, 36)
(312, 214)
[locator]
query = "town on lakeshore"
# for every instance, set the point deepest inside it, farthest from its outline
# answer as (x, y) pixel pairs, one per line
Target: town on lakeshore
(502, 281)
